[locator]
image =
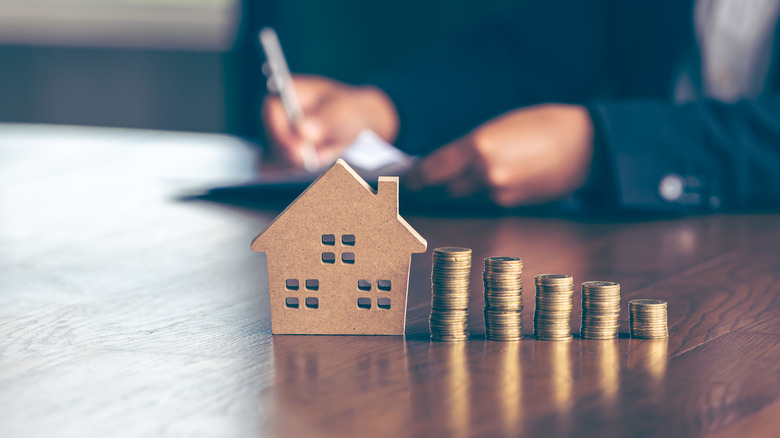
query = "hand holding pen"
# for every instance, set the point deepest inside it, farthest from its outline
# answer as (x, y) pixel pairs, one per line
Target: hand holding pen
(314, 118)
(280, 81)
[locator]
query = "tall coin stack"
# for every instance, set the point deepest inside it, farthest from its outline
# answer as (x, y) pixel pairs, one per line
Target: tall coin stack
(600, 310)
(648, 319)
(503, 298)
(450, 294)
(552, 316)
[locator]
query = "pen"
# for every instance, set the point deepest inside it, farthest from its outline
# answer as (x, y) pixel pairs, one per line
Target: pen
(280, 81)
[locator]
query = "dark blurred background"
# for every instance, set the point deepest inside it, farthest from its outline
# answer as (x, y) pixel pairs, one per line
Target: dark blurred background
(192, 64)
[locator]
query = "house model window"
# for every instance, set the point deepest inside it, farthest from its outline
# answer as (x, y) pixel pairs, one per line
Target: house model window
(338, 258)
(328, 257)
(364, 303)
(312, 302)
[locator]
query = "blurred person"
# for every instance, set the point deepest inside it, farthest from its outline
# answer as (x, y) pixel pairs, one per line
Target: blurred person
(664, 105)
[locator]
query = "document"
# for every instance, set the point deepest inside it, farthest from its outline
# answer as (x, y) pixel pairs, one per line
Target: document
(369, 155)
(369, 152)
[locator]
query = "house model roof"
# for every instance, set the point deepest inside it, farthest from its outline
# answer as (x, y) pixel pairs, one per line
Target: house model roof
(341, 190)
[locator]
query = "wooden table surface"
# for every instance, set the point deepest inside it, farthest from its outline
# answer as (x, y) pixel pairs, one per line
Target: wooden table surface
(125, 312)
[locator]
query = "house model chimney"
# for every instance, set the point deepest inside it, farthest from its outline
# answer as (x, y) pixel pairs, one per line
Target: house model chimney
(387, 193)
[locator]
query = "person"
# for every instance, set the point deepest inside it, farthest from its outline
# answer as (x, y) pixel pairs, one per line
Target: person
(664, 105)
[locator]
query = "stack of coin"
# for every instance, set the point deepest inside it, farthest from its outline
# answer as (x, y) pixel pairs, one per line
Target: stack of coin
(552, 316)
(600, 310)
(503, 298)
(450, 294)
(647, 319)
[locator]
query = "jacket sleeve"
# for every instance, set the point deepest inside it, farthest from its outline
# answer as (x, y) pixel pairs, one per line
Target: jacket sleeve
(703, 155)
(539, 51)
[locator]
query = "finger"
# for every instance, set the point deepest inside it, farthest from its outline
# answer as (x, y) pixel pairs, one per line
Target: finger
(287, 143)
(313, 128)
(445, 164)
(331, 126)
(284, 141)
(311, 89)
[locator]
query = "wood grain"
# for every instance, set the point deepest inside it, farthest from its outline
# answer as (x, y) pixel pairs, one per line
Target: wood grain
(124, 312)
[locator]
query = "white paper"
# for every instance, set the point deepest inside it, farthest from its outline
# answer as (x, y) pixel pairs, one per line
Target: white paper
(370, 152)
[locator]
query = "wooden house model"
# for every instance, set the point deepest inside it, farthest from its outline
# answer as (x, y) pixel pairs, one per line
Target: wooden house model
(338, 258)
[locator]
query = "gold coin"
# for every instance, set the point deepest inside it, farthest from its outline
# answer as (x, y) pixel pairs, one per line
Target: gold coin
(647, 302)
(503, 289)
(450, 294)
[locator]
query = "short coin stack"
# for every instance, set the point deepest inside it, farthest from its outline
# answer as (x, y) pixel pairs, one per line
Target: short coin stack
(503, 298)
(647, 319)
(552, 316)
(450, 294)
(600, 310)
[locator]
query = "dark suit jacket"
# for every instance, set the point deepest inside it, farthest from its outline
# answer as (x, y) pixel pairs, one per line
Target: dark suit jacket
(617, 57)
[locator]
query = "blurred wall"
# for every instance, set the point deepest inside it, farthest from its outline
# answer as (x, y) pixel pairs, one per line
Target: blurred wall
(137, 79)
(157, 89)
(148, 64)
